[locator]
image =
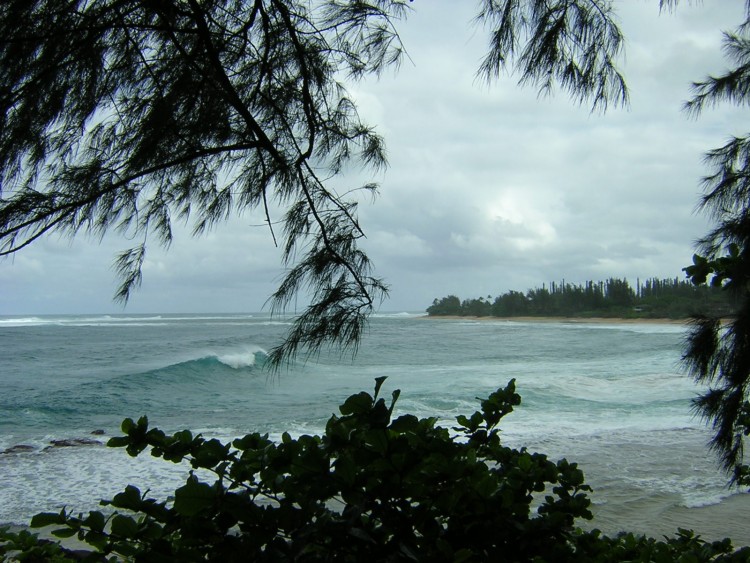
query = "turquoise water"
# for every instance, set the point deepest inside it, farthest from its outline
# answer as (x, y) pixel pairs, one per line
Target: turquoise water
(610, 396)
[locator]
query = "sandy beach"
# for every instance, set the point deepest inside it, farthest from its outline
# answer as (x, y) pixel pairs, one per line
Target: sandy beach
(577, 320)
(727, 519)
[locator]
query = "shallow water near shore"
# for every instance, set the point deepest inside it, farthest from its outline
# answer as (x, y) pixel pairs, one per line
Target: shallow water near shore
(607, 395)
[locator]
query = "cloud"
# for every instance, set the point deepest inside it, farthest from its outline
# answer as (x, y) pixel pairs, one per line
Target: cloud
(489, 188)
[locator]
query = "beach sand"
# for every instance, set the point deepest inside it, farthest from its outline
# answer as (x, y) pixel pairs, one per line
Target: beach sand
(575, 320)
(728, 519)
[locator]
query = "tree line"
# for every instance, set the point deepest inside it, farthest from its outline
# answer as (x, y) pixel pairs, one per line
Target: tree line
(672, 298)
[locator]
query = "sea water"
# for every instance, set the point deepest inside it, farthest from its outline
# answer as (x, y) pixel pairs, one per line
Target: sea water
(611, 397)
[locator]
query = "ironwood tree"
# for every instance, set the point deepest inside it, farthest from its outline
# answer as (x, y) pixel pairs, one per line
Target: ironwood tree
(126, 116)
(717, 350)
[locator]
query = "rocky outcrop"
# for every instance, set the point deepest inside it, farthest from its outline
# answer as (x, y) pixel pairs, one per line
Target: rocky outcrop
(72, 442)
(19, 448)
(62, 443)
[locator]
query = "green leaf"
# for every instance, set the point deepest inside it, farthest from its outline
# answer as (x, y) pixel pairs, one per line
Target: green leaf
(95, 520)
(361, 534)
(524, 462)
(96, 538)
(357, 404)
(485, 485)
(118, 442)
(394, 398)
(463, 555)
(184, 436)
(124, 526)
(127, 425)
(251, 442)
(129, 499)
(377, 439)
(64, 532)
(126, 549)
(405, 423)
(345, 469)
(193, 497)
(47, 519)
(210, 453)
(379, 383)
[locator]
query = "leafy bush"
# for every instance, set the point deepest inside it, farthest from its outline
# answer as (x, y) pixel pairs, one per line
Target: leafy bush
(372, 488)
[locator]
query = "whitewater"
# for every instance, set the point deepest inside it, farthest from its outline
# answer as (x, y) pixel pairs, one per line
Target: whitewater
(609, 396)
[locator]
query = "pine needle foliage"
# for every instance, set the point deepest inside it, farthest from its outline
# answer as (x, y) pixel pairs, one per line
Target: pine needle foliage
(128, 116)
(571, 43)
(716, 353)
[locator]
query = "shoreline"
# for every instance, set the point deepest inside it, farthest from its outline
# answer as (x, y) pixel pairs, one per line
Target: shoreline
(712, 522)
(569, 320)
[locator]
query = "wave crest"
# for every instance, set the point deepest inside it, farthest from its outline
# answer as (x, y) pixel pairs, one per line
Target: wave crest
(245, 359)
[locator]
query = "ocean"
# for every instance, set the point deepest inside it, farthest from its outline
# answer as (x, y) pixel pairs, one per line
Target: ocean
(610, 396)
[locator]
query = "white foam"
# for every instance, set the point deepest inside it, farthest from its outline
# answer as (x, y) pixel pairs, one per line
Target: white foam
(710, 498)
(78, 478)
(624, 389)
(23, 321)
(243, 359)
(400, 315)
(118, 320)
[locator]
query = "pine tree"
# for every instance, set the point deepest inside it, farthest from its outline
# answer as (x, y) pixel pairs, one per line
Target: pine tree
(124, 116)
(719, 355)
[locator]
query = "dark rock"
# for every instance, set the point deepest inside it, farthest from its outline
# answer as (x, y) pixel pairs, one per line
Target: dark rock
(17, 449)
(72, 442)
(98, 432)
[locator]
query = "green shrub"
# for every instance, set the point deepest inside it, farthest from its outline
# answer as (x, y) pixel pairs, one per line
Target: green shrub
(372, 488)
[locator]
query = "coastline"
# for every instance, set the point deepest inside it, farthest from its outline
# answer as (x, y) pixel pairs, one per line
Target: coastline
(713, 522)
(570, 320)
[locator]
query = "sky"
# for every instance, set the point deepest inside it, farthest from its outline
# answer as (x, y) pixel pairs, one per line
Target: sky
(489, 187)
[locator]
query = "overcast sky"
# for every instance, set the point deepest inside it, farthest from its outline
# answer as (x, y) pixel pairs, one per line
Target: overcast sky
(489, 188)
